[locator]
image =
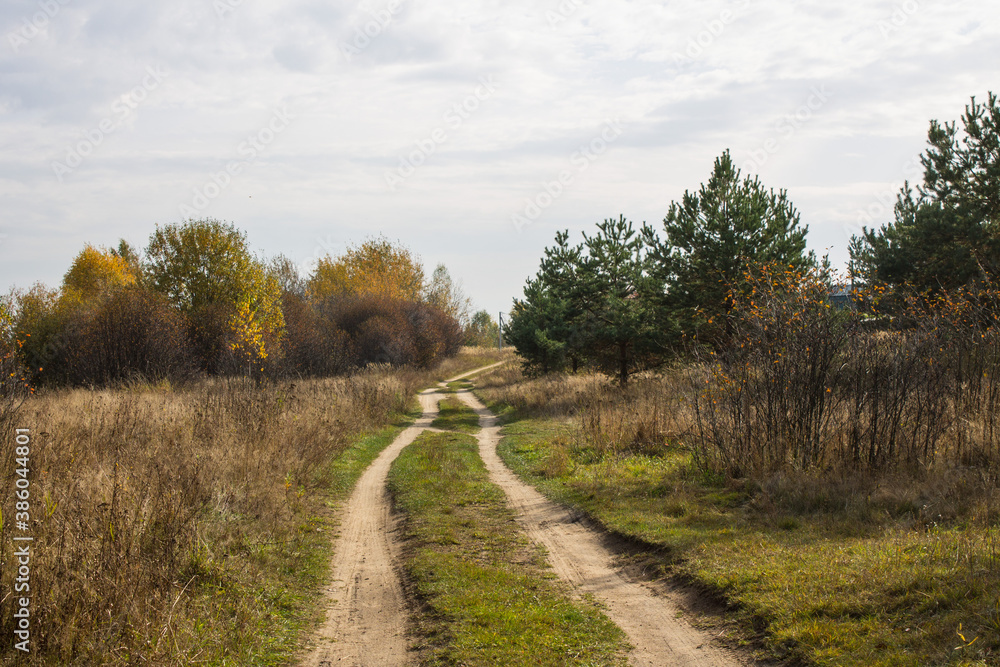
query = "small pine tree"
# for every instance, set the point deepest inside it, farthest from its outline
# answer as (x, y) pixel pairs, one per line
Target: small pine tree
(713, 237)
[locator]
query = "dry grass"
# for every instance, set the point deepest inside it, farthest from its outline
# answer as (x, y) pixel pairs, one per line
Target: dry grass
(186, 525)
(554, 395)
(470, 357)
(652, 412)
(655, 415)
(824, 565)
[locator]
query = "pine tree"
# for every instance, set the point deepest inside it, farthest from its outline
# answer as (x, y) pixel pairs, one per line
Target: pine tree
(621, 327)
(536, 325)
(592, 302)
(947, 233)
(713, 236)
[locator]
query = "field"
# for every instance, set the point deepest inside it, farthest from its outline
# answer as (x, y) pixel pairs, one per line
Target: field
(818, 567)
(194, 524)
(191, 524)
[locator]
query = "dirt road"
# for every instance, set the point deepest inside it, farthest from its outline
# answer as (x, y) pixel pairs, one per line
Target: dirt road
(367, 618)
(367, 612)
(652, 621)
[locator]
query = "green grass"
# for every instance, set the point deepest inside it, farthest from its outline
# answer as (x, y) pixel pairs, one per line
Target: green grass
(488, 599)
(300, 568)
(225, 613)
(826, 587)
(455, 415)
(346, 469)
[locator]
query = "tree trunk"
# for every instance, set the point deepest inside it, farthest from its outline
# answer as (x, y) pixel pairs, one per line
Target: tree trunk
(623, 364)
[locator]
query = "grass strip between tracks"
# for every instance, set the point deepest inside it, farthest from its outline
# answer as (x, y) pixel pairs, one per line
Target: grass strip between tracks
(487, 596)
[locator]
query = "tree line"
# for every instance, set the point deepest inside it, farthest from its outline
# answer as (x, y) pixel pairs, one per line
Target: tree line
(907, 372)
(197, 301)
(624, 298)
(628, 298)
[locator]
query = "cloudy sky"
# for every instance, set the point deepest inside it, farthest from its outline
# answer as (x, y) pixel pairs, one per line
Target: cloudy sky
(471, 131)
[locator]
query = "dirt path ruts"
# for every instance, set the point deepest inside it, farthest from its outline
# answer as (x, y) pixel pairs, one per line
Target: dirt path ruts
(367, 615)
(578, 555)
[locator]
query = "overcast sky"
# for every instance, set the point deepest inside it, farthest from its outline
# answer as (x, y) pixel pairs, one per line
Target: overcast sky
(470, 131)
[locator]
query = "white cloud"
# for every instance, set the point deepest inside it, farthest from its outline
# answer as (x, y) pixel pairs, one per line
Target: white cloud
(562, 68)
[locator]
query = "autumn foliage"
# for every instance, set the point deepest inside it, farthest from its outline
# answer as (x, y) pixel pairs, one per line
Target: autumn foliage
(199, 302)
(377, 267)
(133, 335)
(809, 386)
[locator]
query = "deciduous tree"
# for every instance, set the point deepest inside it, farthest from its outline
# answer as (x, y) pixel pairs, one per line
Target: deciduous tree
(377, 267)
(445, 294)
(482, 330)
(234, 304)
(97, 271)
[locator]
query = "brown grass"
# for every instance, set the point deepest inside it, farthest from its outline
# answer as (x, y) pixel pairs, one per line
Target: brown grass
(655, 415)
(824, 565)
(652, 412)
(185, 525)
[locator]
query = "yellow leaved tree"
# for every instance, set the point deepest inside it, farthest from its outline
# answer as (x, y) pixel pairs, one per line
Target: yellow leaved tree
(377, 267)
(233, 303)
(95, 272)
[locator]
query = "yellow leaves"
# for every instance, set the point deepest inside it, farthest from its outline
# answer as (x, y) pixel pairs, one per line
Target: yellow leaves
(94, 272)
(257, 323)
(248, 333)
(965, 642)
(377, 267)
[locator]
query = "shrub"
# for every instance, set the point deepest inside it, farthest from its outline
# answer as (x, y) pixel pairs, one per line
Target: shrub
(313, 345)
(383, 330)
(133, 335)
(812, 387)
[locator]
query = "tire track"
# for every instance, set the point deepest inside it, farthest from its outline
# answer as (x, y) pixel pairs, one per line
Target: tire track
(652, 620)
(366, 610)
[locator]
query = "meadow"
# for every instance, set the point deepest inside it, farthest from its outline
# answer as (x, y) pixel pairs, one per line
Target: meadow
(826, 565)
(192, 523)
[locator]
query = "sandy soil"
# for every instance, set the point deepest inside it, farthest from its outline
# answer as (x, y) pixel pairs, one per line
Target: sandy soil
(367, 612)
(653, 620)
(366, 609)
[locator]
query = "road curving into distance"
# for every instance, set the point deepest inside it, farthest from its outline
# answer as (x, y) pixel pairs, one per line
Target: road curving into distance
(367, 613)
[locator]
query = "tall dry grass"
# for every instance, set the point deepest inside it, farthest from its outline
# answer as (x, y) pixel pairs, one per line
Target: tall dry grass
(160, 515)
(652, 412)
(659, 413)
(802, 386)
